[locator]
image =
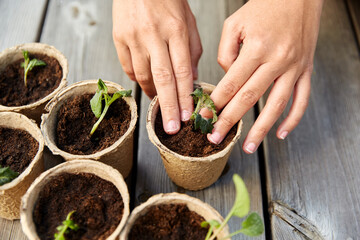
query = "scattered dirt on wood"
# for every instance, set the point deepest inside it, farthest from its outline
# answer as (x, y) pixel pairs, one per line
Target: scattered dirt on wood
(190, 142)
(75, 121)
(17, 149)
(97, 202)
(169, 221)
(41, 81)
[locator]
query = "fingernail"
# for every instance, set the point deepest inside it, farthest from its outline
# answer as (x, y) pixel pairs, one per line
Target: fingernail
(185, 115)
(284, 134)
(250, 147)
(195, 73)
(215, 138)
(172, 127)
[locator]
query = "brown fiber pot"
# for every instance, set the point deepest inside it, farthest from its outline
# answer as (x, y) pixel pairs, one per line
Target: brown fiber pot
(194, 204)
(193, 173)
(119, 155)
(11, 193)
(77, 166)
(10, 55)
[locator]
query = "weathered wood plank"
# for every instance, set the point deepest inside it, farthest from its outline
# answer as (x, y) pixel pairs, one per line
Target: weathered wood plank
(20, 22)
(354, 8)
(151, 175)
(314, 171)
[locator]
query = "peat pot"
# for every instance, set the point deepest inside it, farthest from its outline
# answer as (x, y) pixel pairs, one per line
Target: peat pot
(193, 173)
(35, 109)
(118, 155)
(77, 167)
(11, 193)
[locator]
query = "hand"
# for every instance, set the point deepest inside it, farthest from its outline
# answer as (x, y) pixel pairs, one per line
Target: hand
(278, 43)
(159, 47)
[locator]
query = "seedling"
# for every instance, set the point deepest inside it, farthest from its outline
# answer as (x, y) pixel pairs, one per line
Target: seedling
(7, 175)
(67, 225)
(96, 102)
(203, 100)
(251, 226)
(28, 64)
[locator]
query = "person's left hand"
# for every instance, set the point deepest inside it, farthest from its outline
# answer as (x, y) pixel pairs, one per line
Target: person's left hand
(279, 39)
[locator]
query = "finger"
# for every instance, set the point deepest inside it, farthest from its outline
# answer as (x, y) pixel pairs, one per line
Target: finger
(245, 99)
(181, 63)
(275, 105)
(300, 101)
(195, 46)
(165, 85)
(141, 65)
(125, 59)
(229, 45)
(235, 78)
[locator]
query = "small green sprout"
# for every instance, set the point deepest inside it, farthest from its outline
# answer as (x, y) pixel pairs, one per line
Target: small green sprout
(251, 226)
(28, 64)
(203, 100)
(64, 228)
(7, 175)
(96, 102)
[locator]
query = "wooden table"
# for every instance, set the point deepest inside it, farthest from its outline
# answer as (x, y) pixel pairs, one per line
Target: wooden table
(306, 187)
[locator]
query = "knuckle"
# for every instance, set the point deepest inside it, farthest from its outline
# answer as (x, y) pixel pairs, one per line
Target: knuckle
(229, 23)
(229, 88)
(248, 97)
(183, 73)
(178, 25)
(296, 120)
(257, 49)
(227, 121)
(261, 132)
(223, 61)
(142, 78)
(286, 54)
(162, 76)
(279, 105)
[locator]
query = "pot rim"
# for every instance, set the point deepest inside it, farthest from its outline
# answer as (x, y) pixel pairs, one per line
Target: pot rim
(48, 50)
(36, 135)
(168, 198)
(75, 166)
(62, 96)
(154, 106)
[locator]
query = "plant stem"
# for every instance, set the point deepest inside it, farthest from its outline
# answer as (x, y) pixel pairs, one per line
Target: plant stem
(232, 234)
(209, 233)
(100, 119)
(223, 224)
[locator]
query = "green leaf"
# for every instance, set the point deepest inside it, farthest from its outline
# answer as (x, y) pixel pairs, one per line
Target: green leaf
(29, 65)
(242, 201)
(205, 125)
(64, 228)
(253, 225)
(119, 94)
(7, 175)
(35, 63)
(26, 55)
(212, 223)
(197, 94)
(102, 85)
(96, 103)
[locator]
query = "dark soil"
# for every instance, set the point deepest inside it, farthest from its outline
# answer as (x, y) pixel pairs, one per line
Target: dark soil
(190, 142)
(17, 149)
(75, 121)
(41, 81)
(168, 222)
(97, 202)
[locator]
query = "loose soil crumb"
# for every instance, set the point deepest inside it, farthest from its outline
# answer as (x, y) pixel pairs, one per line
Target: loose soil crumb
(97, 202)
(41, 81)
(17, 149)
(168, 222)
(190, 142)
(75, 121)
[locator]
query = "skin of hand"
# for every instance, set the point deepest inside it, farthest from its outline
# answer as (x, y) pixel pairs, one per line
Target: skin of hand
(278, 40)
(159, 47)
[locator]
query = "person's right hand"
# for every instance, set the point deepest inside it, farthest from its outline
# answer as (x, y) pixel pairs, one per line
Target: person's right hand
(159, 47)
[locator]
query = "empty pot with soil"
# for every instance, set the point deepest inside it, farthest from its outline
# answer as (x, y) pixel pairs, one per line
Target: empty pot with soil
(170, 216)
(68, 126)
(190, 160)
(28, 83)
(21, 160)
(96, 195)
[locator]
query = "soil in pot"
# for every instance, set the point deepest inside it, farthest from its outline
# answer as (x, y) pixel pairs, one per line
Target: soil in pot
(190, 142)
(17, 149)
(168, 221)
(75, 121)
(97, 203)
(41, 81)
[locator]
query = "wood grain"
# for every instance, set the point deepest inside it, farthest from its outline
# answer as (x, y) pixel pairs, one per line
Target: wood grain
(21, 21)
(151, 175)
(315, 170)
